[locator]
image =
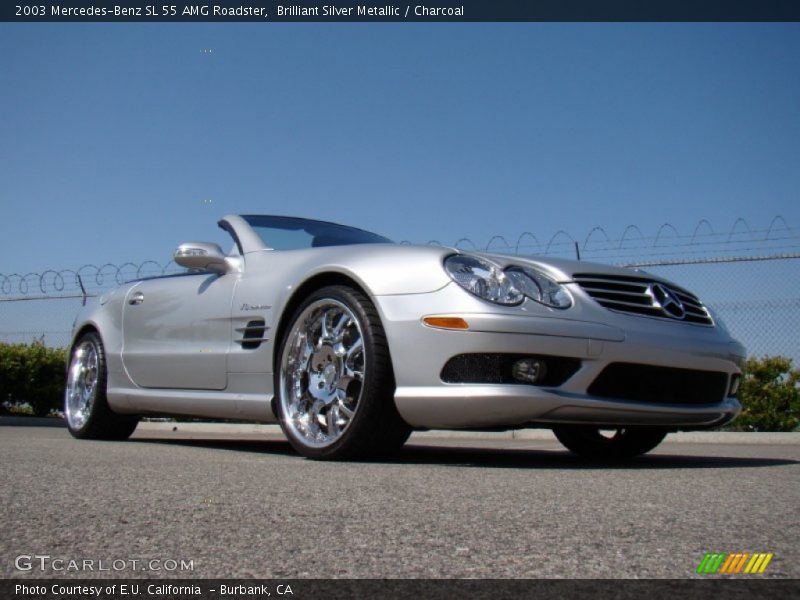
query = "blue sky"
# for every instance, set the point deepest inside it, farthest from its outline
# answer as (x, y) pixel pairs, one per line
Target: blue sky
(113, 137)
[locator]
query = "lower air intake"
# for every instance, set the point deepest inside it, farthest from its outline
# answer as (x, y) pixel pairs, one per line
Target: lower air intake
(646, 383)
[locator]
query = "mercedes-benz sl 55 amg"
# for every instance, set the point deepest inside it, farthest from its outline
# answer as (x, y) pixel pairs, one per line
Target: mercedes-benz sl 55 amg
(351, 341)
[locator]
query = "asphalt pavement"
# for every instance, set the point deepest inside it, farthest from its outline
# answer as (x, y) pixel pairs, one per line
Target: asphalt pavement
(243, 504)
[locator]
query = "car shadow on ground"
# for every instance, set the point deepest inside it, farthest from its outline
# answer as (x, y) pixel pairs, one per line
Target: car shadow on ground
(562, 459)
(516, 458)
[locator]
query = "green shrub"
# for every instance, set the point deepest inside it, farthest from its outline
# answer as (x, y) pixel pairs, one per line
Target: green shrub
(32, 374)
(770, 395)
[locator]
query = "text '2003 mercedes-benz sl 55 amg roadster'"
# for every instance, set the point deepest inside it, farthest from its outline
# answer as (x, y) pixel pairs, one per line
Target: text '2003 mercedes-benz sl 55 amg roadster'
(351, 342)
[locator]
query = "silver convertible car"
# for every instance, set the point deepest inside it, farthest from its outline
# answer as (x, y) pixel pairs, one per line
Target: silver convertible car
(351, 342)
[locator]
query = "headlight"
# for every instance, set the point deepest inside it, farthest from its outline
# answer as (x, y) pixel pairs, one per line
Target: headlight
(539, 287)
(482, 278)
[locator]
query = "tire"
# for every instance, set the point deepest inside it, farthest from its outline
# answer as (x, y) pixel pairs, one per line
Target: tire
(334, 381)
(86, 409)
(590, 442)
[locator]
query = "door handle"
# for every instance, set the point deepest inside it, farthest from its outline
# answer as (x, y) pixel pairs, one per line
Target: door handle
(137, 298)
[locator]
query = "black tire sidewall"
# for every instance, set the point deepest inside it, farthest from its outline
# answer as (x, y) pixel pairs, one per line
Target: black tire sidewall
(586, 441)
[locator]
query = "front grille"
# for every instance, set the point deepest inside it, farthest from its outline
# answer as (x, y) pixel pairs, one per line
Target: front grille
(497, 368)
(646, 383)
(642, 296)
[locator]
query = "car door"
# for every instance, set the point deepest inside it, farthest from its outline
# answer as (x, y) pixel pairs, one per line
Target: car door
(177, 332)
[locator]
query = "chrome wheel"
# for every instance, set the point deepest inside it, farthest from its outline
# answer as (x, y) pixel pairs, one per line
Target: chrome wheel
(322, 373)
(81, 388)
(86, 408)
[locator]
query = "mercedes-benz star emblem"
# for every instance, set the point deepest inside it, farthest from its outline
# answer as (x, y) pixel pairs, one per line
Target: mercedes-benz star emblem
(665, 299)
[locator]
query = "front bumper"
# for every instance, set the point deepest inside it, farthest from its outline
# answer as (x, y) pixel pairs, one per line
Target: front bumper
(592, 334)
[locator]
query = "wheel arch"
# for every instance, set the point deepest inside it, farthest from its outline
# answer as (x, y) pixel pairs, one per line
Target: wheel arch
(83, 330)
(310, 285)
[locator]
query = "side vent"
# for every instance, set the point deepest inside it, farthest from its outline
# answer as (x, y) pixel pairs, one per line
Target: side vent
(252, 334)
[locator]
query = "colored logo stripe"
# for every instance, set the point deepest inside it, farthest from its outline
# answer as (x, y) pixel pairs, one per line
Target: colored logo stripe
(711, 562)
(735, 562)
(723, 563)
(758, 563)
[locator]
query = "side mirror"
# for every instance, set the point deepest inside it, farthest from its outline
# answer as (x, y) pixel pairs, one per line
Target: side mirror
(203, 256)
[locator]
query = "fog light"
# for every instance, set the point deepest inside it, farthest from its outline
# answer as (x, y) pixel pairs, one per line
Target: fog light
(736, 380)
(529, 370)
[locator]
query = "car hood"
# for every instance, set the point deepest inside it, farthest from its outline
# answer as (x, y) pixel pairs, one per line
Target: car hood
(563, 269)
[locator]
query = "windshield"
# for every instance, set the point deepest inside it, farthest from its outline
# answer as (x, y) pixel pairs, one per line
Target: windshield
(291, 233)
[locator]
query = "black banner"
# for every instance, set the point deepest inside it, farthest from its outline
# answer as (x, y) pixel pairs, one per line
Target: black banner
(391, 589)
(454, 11)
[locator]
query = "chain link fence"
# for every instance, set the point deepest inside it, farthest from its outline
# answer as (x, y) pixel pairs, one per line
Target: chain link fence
(756, 295)
(43, 306)
(758, 299)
